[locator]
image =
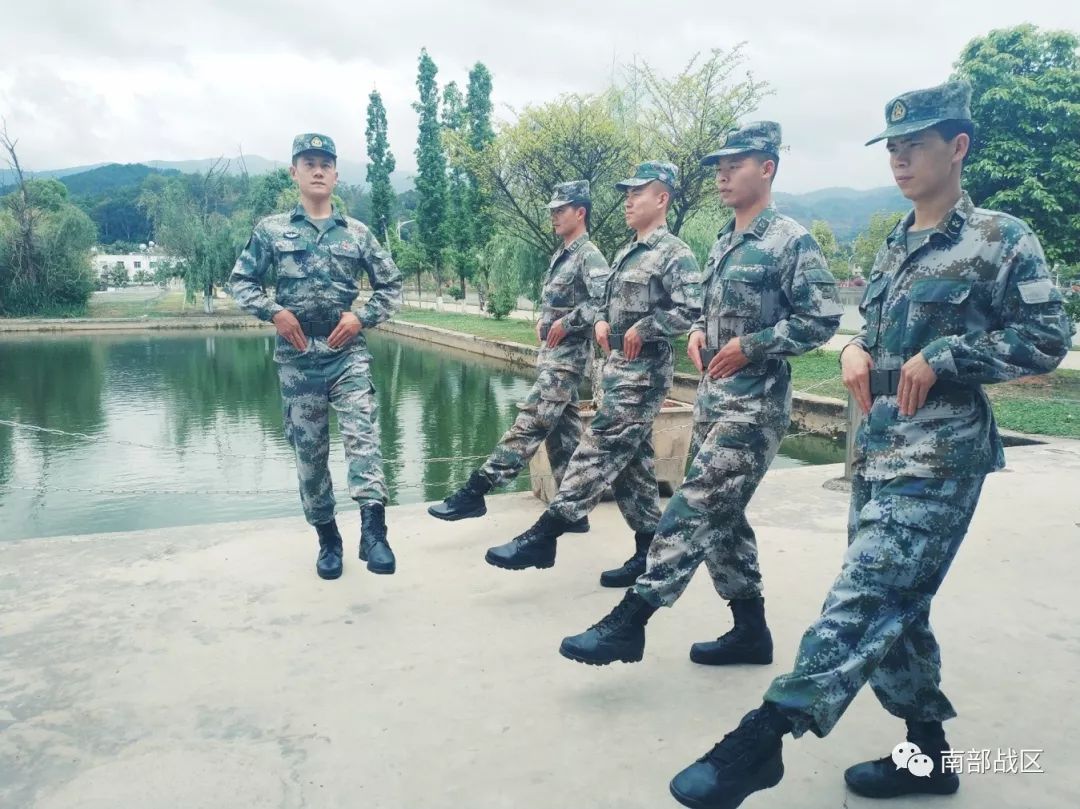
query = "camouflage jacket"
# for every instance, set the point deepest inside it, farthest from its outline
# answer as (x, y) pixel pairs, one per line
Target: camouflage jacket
(573, 291)
(768, 286)
(315, 275)
(655, 285)
(976, 299)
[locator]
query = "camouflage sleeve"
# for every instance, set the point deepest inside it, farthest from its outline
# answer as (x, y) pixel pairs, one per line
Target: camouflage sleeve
(1035, 334)
(813, 308)
(595, 272)
(682, 283)
(385, 280)
(248, 276)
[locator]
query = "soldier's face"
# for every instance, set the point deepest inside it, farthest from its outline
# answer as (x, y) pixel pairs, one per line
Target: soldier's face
(741, 180)
(922, 162)
(645, 203)
(562, 219)
(316, 175)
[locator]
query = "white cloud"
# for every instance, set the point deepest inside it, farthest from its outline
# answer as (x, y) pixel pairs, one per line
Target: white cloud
(127, 81)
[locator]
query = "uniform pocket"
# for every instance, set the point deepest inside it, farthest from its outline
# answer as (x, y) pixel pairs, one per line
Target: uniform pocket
(870, 307)
(937, 308)
(290, 255)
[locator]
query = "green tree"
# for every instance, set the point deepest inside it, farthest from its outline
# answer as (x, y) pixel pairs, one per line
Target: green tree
(431, 170)
(481, 214)
(682, 118)
(45, 243)
(835, 255)
(573, 138)
(266, 193)
(1026, 155)
(867, 243)
(458, 252)
(380, 165)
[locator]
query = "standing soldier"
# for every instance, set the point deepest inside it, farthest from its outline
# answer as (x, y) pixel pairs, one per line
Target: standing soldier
(573, 292)
(768, 296)
(958, 297)
(318, 254)
(653, 294)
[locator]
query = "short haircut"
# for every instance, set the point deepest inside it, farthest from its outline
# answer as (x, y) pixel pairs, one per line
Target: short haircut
(313, 152)
(588, 210)
(761, 157)
(956, 126)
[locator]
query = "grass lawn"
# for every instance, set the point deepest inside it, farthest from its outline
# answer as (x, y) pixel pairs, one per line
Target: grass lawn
(168, 303)
(1046, 405)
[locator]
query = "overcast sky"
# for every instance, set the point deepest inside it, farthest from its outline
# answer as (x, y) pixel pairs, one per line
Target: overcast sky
(119, 80)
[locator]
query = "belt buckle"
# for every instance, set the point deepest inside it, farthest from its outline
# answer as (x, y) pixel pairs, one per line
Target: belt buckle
(884, 382)
(707, 355)
(616, 342)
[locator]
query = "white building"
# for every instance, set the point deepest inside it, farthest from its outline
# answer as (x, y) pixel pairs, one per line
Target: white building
(148, 260)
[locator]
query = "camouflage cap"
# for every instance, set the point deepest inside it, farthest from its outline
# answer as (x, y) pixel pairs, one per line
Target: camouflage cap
(647, 172)
(759, 136)
(313, 142)
(575, 192)
(921, 109)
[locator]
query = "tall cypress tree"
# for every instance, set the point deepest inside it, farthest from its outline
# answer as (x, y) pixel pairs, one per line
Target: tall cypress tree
(431, 169)
(381, 163)
(481, 135)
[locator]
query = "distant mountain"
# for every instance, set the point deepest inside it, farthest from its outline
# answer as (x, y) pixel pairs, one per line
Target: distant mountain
(847, 210)
(350, 171)
(109, 178)
(7, 176)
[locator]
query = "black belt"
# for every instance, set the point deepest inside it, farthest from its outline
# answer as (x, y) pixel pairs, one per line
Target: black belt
(707, 355)
(319, 328)
(884, 382)
(652, 348)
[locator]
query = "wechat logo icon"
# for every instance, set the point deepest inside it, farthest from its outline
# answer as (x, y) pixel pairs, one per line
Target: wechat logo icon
(908, 756)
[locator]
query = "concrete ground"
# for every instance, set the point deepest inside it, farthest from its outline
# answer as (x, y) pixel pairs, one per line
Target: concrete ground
(207, 666)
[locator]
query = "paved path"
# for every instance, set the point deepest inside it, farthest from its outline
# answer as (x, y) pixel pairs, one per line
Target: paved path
(208, 667)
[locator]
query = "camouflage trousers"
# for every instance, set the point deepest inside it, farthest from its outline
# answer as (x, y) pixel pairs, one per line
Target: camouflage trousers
(617, 449)
(550, 415)
(309, 388)
(903, 534)
(705, 520)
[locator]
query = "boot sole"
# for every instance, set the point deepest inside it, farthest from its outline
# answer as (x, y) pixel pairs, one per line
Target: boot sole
(588, 662)
(949, 788)
(621, 584)
(740, 662)
(497, 562)
(329, 576)
(729, 801)
(480, 512)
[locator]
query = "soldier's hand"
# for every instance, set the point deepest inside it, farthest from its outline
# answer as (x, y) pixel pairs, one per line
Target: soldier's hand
(539, 339)
(631, 343)
(693, 348)
(916, 379)
(289, 327)
(602, 330)
(556, 333)
(728, 360)
(347, 328)
(855, 365)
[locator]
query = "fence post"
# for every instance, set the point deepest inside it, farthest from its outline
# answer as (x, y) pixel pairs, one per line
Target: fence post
(854, 419)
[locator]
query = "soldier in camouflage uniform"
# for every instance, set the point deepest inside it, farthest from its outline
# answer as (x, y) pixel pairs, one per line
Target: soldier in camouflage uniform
(958, 297)
(572, 294)
(768, 296)
(653, 294)
(316, 256)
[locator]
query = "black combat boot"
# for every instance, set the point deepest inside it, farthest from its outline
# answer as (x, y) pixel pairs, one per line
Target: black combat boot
(374, 547)
(746, 761)
(619, 635)
(328, 565)
(633, 567)
(534, 548)
(749, 641)
(883, 779)
(578, 526)
(466, 502)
